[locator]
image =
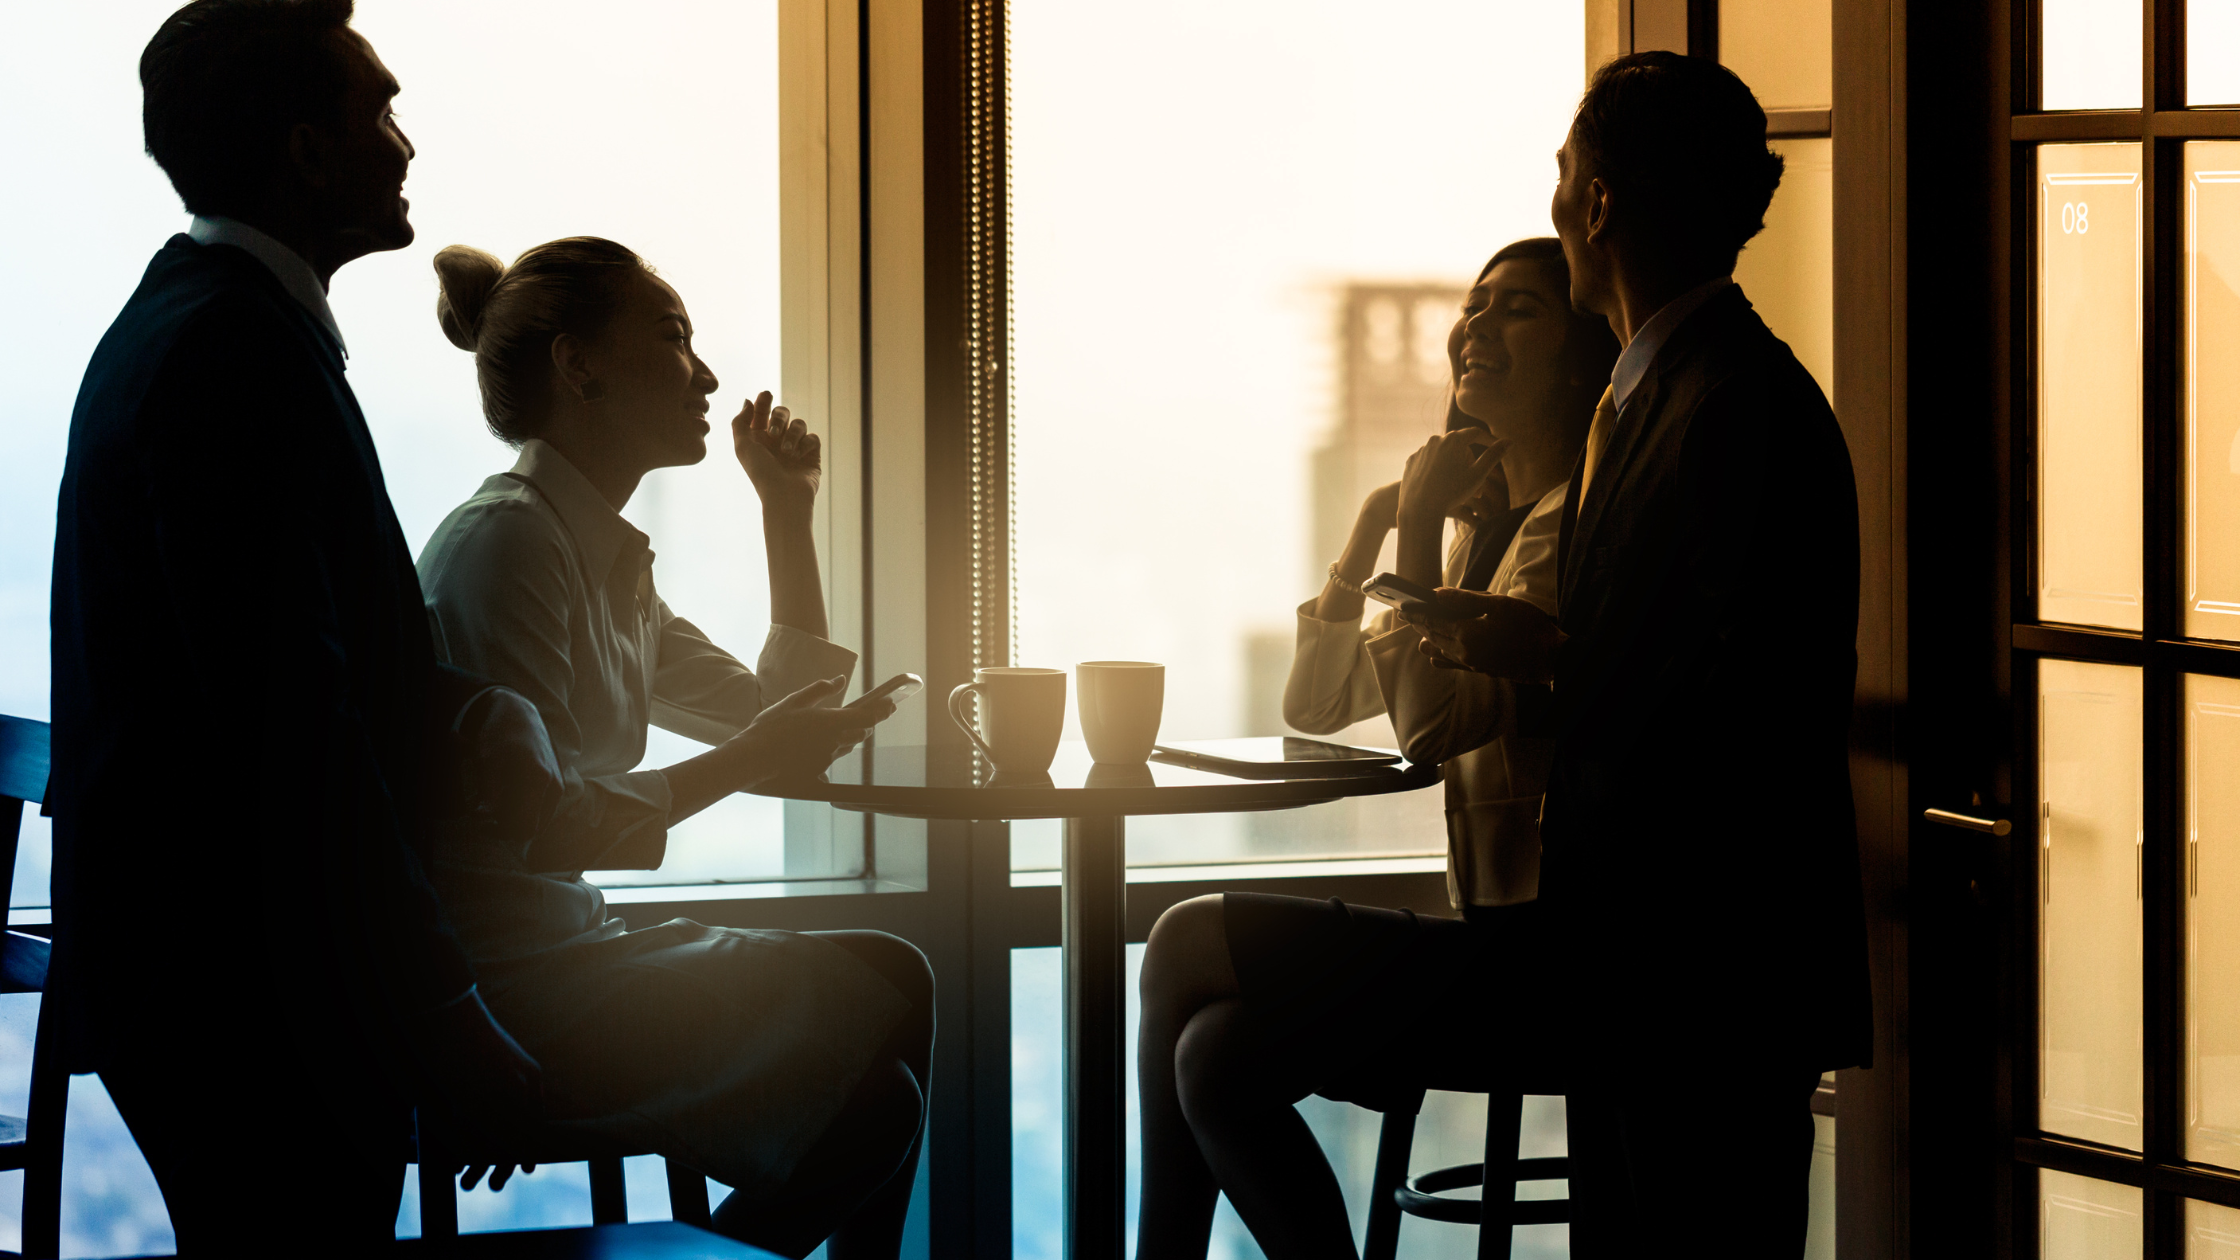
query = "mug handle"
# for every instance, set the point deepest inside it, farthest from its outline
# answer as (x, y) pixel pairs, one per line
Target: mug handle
(964, 722)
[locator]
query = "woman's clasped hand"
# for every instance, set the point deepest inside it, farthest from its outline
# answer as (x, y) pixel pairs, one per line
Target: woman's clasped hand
(782, 458)
(1454, 476)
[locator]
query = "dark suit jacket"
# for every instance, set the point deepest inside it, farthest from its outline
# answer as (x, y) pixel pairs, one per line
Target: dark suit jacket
(245, 693)
(1701, 856)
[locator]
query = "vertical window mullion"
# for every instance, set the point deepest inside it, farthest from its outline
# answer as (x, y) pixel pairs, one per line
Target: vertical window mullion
(2163, 855)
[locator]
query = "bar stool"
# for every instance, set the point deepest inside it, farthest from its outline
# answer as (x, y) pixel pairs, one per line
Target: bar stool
(1393, 1193)
(647, 1240)
(442, 1149)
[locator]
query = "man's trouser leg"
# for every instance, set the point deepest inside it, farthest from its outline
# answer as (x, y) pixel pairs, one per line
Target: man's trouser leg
(251, 1152)
(1707, 1161)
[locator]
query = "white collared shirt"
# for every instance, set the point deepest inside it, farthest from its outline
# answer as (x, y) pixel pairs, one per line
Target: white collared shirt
(295, 275)
(538, 584)
(1639, 353)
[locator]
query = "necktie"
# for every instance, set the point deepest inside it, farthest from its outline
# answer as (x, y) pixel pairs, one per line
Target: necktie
(1598, 436)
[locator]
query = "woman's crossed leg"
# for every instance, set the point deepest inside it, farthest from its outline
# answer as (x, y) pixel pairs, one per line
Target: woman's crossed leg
(851, 1190)
(1218, 1108)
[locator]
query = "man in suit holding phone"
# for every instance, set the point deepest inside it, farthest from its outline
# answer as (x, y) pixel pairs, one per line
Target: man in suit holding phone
(1700, 863)
(239, 635)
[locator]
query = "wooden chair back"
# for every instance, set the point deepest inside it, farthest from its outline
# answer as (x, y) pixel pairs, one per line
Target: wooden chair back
(33, 1144)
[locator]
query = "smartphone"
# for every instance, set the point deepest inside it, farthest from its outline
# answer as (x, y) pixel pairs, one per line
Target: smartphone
(1400, 593)
(900, 687)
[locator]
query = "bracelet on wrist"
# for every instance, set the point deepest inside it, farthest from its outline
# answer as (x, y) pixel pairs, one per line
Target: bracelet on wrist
(1344, 583)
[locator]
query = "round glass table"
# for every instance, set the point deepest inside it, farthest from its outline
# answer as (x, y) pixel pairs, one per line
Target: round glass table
(1094, 801)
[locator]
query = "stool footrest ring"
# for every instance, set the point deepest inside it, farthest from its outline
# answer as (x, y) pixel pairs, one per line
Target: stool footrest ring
(1420, 1197)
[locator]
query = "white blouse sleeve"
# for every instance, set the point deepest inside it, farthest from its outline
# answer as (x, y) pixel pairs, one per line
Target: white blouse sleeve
(1332, 684)
(702, 692)
(498, 581)
(1439, 714)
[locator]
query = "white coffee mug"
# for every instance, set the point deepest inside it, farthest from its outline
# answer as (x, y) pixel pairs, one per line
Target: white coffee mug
(1022, 713)
(1121, 703)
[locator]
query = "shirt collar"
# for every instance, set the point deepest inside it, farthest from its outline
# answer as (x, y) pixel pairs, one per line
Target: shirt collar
(286, 265)
(604, 537)
(1642, 350)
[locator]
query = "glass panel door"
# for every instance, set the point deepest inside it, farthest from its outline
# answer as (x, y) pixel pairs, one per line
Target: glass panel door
(2213, 920)
(2083, 1219)
(2124, 232)
(2212, 52)
(2088, 384)
(2091, 54)
(2212, 390)
(2212, 1231)
(2089, 901)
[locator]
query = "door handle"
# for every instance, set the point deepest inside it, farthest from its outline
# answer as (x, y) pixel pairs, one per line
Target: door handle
(1970, 822)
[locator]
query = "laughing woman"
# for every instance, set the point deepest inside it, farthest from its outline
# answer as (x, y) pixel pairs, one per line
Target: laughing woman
(1253, 1001)
(790, 1066)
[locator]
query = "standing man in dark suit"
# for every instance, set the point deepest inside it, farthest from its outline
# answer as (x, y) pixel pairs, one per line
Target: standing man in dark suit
(1700, 860)
(250, 725)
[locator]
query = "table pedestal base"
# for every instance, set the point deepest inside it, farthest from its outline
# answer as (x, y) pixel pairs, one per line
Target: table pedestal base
(1094, 891)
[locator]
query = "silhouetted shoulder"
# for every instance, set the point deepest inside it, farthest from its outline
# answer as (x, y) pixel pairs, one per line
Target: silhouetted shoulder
(198, 320)
(1750, 386)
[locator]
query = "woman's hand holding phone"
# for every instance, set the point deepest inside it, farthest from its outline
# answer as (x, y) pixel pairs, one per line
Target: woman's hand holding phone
(800, 736)
(794, 738)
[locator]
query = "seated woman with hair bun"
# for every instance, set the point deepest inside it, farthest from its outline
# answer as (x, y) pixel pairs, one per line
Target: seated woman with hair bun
(789, 1066)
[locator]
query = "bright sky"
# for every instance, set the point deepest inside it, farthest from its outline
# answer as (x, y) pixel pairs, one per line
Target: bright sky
(1191, 186)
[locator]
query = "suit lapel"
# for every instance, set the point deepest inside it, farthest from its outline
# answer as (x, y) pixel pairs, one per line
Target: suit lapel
(1632, 426)
(1584, 517)
(1567, 523)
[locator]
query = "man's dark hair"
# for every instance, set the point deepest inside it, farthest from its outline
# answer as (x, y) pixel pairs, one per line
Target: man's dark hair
(224, 81)
(1684, 142)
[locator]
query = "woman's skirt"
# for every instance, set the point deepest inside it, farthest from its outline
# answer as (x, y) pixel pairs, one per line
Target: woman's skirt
(730, 1050)
(1372, 1006)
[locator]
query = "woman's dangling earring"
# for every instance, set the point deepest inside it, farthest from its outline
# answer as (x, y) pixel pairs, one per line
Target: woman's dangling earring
(591, 391)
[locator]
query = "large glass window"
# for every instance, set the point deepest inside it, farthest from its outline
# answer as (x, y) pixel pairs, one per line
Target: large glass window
(1451, 1130)
(655, 124)
(662, 133)
(1231, 298)
(1788, 270)
(1782, 49)
(657, 128)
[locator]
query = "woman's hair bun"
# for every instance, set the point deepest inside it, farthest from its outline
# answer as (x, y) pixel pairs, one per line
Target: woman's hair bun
(465, 276)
